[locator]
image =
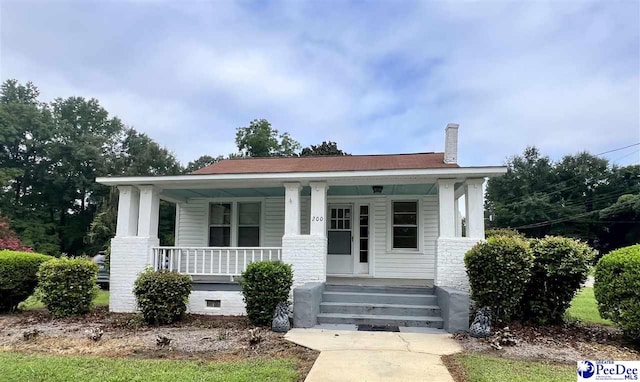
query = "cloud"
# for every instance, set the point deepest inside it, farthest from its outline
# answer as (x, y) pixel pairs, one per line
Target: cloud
(383, 77)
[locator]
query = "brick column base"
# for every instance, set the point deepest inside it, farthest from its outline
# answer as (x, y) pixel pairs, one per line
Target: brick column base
(129, 257)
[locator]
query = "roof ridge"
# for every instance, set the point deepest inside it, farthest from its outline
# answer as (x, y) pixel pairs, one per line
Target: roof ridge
(334, 156)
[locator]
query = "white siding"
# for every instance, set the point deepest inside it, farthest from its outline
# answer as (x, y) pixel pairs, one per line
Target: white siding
(390, 263)
(192, 224)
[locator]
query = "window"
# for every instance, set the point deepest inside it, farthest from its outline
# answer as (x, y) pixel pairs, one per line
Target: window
(248, 224)
(225, 231)
(405, 225)
(220, 225)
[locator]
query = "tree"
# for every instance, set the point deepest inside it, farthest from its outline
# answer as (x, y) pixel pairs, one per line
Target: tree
(202, 162)
(259, 139)
(326, 148)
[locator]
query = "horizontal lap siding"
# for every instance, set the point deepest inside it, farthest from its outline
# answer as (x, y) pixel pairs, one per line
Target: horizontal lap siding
(398, 264)
(273, 222)
(192, 224)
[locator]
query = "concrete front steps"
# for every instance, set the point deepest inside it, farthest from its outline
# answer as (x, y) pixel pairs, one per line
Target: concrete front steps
(380, 305)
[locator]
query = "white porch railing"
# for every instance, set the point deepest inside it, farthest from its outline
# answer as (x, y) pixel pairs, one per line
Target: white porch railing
(211, 261)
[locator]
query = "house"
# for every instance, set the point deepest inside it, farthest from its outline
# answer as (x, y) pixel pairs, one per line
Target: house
(364, 233)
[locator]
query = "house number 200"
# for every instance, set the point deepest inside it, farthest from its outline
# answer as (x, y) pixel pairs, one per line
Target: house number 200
(317, 218)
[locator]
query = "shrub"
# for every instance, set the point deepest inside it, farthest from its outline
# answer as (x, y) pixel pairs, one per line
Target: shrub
(264, 285)
(560, 267)
(18, 277)
(498, 270)
(67, 286)
(617, 286)
(502, 232)
(162, 296)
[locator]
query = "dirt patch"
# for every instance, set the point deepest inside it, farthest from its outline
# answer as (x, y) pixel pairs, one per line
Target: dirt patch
(565, 343)
(197, 337)
(456, 370)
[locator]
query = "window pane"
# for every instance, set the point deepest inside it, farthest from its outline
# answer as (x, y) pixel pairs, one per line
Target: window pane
(364, 210)
(219, 236)
(364, 244)
(406, 219)
(333, 212)
(249, 213)
(347, 224)
(334, 224)
(405, 207)
(364, 220)
(364, 231)
(248, 236)
(347, 212)
(220, 213)
(405, 237)
(364, 256)
(340, 224)
(340, 212)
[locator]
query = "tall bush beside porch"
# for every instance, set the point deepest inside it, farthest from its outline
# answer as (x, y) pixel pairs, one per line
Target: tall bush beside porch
(498, 270)
(264, 285)
(162, 295)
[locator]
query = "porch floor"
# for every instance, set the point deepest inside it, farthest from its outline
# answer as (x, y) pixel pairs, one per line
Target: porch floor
(369, 281)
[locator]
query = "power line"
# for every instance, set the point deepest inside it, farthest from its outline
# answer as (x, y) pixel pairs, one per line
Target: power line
(618, 149)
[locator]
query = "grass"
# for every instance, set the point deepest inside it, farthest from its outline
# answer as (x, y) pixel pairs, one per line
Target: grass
(102, 299)
(484, 368)
(15, 367)
(585, 308)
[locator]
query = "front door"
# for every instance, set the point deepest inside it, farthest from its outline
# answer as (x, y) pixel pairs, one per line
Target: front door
(340, 239)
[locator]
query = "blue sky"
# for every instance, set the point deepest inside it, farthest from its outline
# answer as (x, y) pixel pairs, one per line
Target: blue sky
(375, 76)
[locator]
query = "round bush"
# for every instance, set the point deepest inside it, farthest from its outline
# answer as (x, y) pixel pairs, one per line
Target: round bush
(560, 267)
(18, 277)
(264, 285)
(498, 269)
(67, 286)
(617, 288)
(162, 296)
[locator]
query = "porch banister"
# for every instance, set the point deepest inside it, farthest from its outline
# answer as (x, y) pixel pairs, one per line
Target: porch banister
(446, 207)
(149, 211)
(318, 223)
(475, 208)
(292, 208)
(128, 203)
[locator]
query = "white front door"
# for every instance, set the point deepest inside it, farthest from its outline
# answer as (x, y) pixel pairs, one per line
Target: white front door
(340, 239)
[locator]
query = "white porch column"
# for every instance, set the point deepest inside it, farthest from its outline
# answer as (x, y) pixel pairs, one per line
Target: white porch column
(318, 217)
(446, 207)
(292, 209)
(131, 250)
(458, 217)
(128, 202)
(474, 197)
(149, 212)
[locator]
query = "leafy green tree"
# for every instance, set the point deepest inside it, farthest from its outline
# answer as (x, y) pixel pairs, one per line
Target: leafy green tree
(202, 162)
(259, 139)
(325, 148)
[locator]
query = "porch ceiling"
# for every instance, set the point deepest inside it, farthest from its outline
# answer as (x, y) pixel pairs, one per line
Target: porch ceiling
(261, 192)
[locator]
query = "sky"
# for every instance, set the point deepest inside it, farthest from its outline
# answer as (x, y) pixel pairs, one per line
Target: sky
(373, 76)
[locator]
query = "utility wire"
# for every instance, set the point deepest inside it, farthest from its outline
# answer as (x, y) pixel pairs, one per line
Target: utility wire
(618, 149)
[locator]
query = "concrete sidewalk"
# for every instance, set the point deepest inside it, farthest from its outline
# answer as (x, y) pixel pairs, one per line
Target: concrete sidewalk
(376, 356)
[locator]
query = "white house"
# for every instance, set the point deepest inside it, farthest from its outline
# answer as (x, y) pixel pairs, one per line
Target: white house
(383, 220)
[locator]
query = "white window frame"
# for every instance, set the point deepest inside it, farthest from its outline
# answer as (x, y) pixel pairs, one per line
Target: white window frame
(230, 225)
(235, 217)
(390, 225)
(238, 225)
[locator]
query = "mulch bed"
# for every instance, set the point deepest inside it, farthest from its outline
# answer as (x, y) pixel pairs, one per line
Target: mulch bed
(197, 337)
(564, 343)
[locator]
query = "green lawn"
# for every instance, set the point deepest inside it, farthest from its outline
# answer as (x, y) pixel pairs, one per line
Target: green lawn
(484, 368)
(584, 308)
(16, 367)
(102, 299)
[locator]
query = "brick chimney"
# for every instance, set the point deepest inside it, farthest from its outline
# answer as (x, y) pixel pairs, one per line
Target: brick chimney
(451, 143)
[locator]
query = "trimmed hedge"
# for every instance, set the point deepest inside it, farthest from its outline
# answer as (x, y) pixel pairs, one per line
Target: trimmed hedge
(264, 285)
(560, 267)
(68, 286)
(162, 296)
(502, 232)
(498, 269)
(617, 288)
(18, 277)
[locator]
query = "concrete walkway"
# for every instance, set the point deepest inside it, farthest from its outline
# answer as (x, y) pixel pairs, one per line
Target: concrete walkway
(376, 356)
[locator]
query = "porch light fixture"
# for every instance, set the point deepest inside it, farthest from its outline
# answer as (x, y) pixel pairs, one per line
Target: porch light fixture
(377, 189)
